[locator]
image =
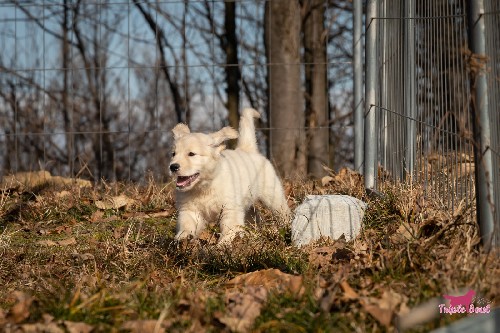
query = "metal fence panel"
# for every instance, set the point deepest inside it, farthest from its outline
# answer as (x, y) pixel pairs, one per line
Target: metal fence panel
(428, 98)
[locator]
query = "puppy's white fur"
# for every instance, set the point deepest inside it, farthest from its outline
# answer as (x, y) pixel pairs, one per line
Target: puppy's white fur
(218, 184)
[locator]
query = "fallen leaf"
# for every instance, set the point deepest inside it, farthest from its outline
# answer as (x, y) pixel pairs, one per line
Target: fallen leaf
(44, 232)
(47, 242)
(349, 293)
(97, 216)
(84, 256)
(322, 256)
(383, 316)
(384, 308)
(142, 326)
(64, 228)
(63, 242)
(270, 279)
(41, 328)
(321, 285)
(360, 246)
(249, 293)
(67, 241)
(20, 310)
(403, 234)
(242, 308)
(119, 232)
(63, 194)
(47, 318)
(114, 202)
(74, 327)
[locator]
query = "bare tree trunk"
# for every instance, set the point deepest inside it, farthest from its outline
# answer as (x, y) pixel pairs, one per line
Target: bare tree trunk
(161, 40)
(185, 62)
(316, 86)
(230, 46)
(65, 103)
(286, 101)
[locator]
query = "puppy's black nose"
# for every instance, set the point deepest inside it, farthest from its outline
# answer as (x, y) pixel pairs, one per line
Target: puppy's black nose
(174, 167)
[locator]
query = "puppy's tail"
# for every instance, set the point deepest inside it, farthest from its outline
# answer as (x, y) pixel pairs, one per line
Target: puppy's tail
(247, 140)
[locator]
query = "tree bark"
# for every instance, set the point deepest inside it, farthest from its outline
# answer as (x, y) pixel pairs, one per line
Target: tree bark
(286, 101)
(316, 87)
(230, 46)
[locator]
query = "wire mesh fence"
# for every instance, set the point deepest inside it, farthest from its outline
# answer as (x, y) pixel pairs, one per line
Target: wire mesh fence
(92, 88)
(425, 112)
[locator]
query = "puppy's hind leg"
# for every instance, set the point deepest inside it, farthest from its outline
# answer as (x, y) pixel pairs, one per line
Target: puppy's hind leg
(189, 224)
(274, 198)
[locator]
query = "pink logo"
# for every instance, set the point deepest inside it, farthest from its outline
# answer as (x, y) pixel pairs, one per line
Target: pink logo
(463, 304)
(464, 300)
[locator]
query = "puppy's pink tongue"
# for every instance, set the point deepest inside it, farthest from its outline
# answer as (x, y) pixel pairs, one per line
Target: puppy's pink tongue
(183, 181)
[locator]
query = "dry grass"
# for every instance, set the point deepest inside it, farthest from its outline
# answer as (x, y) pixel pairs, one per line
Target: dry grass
(65, 262)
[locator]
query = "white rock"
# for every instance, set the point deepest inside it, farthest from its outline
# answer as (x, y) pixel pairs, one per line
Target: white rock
(328, 216)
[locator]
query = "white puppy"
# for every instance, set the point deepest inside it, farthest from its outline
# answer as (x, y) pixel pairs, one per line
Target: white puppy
(217, 184)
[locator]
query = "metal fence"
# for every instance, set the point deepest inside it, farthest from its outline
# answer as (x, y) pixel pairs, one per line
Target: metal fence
(431, 101)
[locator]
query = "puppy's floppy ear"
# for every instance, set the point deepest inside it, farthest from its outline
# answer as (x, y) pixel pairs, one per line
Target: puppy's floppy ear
(224, 134)
(180, 130)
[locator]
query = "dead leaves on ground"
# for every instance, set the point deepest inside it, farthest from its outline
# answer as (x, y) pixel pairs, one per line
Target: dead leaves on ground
(346, 181)
(381, 302)
(243, 307)
(20, 312)
(248, 293)
(384, 308)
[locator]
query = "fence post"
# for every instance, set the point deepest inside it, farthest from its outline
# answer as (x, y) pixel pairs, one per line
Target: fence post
(483, 159)
(370, 134)
(409, 88)
(358, 85)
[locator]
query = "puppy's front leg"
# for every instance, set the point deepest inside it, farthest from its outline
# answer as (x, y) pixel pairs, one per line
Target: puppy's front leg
(232, 222)
(189, 223)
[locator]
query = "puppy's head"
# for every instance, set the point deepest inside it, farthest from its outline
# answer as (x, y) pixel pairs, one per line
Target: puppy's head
(195, 155)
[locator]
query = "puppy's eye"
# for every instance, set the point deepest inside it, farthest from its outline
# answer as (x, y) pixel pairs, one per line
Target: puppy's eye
(191, 154)
(173, 153)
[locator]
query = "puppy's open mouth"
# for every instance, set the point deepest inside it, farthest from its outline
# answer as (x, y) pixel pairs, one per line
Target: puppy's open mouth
(185, 181)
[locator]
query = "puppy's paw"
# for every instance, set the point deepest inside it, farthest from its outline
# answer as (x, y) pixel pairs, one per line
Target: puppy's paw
(183, 242)
(182, 235)
(228, 238)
